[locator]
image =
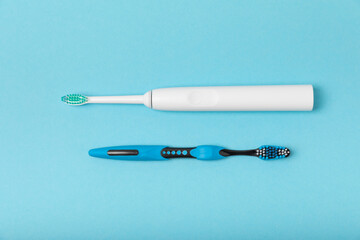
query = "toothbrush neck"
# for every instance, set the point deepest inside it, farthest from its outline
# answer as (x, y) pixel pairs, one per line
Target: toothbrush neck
(228, 152)
(130, 99)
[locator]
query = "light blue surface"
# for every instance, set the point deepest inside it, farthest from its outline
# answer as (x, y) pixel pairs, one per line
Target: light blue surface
(51, 189)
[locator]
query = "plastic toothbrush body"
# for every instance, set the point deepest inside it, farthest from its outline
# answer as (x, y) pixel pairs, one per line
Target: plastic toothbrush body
(203, 152)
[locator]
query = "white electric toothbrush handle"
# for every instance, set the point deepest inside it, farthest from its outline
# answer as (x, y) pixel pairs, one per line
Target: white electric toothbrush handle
(131, 99)
(234, 98)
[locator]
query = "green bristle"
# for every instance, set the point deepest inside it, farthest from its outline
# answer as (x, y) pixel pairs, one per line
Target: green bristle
(74, 99)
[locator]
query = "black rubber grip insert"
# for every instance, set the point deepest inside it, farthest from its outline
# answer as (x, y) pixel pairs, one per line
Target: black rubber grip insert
(176, 152)
(123, 152)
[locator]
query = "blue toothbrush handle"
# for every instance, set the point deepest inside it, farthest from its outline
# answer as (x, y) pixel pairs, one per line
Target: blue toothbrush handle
(157, 152)
(132, 152)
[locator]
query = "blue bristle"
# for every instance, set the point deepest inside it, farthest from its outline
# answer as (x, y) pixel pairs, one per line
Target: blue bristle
(267, 152)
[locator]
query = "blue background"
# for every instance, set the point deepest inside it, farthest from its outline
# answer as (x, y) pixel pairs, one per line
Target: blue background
(51, 189)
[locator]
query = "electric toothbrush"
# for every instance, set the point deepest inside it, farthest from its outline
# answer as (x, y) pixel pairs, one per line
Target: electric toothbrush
(222, 98)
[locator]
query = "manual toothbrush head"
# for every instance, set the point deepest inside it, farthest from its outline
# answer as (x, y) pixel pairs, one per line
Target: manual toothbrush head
(74, 99)
(267, 152)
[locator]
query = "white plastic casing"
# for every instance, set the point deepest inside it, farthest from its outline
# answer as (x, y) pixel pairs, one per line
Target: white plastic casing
(234, 98)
